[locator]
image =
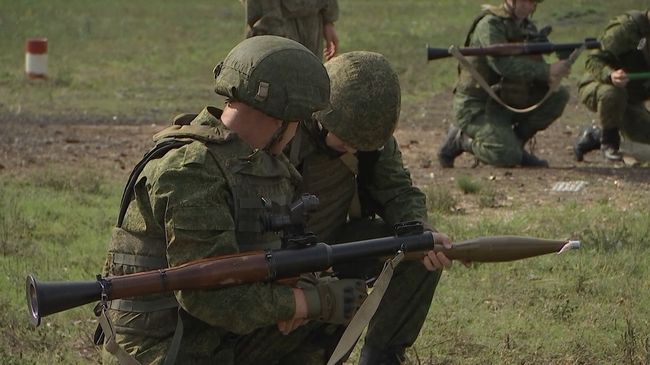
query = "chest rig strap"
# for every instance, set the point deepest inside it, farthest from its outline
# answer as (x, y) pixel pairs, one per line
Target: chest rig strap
(351, 161)
(453, 50)
(105, 332)
(162, 147)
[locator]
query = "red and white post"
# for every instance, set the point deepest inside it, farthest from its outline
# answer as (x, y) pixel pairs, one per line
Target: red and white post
(36, 58)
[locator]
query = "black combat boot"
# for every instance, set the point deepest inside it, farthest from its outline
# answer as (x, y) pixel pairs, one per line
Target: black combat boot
(588, 140)
(454, 145)
(530, 160)
(610, 142)
(372, 356)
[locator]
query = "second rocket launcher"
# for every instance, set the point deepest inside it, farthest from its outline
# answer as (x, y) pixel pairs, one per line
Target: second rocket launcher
(46, 298)
(513, 49)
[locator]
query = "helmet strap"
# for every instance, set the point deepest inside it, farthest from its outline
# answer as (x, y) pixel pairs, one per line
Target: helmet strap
(275, 138)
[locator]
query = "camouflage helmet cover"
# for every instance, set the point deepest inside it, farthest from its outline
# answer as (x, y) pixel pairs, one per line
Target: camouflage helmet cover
(275, 75)
(365, 100)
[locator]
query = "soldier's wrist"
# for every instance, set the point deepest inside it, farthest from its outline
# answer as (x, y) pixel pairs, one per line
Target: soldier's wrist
(301, 307)
(312, 301)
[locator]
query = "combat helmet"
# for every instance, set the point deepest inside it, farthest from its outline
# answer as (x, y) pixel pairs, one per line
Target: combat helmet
(365, 100)
(275, 75)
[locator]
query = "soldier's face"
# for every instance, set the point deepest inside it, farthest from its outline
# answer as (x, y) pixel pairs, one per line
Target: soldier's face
(522, 8)
(336, 144)
(255, 127)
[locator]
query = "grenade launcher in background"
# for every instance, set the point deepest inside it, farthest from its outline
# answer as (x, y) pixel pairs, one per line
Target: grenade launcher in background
(563, 50)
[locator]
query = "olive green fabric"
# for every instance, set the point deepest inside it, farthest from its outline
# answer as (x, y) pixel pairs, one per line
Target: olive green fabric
(299, 20)
(515, 74)
(275, 75)
(369, 80)
(615, 109)
(197, 201)
(618, 107)
(405, 305)
(494, 140)
(404, 308)
(497, 134)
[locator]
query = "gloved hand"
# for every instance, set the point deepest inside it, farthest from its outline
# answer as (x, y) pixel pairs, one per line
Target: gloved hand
(336, 301)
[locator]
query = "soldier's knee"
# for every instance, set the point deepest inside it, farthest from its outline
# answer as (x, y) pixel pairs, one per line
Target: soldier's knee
(609, 95)
(509, 157)
(563, 95)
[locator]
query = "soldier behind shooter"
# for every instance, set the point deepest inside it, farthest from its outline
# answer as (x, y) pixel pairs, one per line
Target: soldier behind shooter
(349, 159)
(198, 194)
(492, 133)
(308, 22)
(606, 89)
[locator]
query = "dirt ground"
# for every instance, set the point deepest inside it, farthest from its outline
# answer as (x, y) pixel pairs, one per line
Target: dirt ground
(114, 146)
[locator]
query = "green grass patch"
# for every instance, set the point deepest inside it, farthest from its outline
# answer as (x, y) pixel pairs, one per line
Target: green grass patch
(53, 224)
(584, 306)
(129, 59)
(468, 185)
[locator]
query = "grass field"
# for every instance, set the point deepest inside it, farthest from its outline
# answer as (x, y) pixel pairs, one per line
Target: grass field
(131, 59)
(137, 61)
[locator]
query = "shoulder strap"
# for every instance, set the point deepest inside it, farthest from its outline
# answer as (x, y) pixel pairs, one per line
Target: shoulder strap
(477, 19)
(161, 148)
(484, 85)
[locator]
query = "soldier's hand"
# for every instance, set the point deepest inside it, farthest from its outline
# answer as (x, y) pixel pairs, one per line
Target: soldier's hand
(291, 324)
(438, 260)
(331, 40)
(619, 78)
(336, 301)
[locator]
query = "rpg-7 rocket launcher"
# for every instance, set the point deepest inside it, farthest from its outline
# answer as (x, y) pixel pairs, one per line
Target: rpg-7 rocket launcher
(514, 49)
(302, 254)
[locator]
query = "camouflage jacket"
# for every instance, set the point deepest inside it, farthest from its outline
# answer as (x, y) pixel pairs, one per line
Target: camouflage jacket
(385, 185)
(624, 45)
(299, 20)
(199, 200)
(494, 26)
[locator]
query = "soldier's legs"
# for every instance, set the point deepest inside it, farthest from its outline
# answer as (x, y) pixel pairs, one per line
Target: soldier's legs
(636, 123)
(269, 346)
(526, 125)
(404, 307)
(308, 31)
(490, 126)
(610, 103)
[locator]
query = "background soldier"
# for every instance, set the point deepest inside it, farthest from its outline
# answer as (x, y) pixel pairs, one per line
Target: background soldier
(484, 128)
(304, 21)
(607, 90)
(350, 160)
(198, 194)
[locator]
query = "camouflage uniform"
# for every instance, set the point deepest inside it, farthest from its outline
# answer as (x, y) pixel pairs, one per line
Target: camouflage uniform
(499, 134)
(624, 45)
(198, 194)
(300, 20)
(384, 188)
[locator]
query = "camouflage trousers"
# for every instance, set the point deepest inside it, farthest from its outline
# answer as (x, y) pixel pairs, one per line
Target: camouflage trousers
(310, 344)
(615, 110)
(405, 305)
(499, 134)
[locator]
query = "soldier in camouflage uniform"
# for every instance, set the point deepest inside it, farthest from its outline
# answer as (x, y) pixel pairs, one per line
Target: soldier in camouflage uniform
(484, 128)
(349, 159)
(606, 89)
(198, 194)
(305, 21)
